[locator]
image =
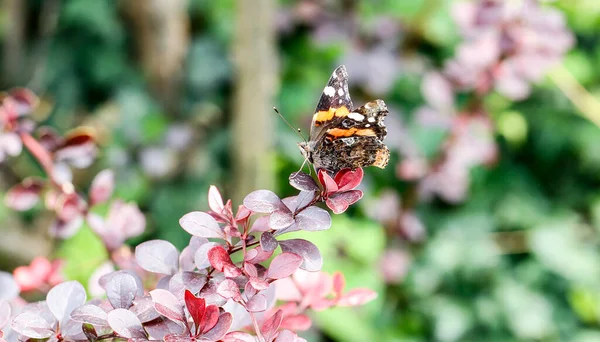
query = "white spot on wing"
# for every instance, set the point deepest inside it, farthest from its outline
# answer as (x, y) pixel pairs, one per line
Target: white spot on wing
(368, 125)
(340, 92)
(356, 116)
(371, 119)
(329, 91)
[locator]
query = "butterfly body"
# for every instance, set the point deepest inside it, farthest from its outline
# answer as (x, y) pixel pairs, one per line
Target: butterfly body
(342, 136)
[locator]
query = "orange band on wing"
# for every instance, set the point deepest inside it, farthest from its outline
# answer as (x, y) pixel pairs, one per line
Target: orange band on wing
(340, 132)
(326, 115)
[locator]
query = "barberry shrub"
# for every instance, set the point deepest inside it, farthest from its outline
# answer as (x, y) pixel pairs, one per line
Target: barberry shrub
(236, 280)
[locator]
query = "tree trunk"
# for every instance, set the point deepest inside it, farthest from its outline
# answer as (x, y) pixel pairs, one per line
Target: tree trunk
(255, 66)
(160, 29)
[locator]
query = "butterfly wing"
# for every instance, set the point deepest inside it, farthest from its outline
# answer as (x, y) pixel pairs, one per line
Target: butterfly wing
(335, 97)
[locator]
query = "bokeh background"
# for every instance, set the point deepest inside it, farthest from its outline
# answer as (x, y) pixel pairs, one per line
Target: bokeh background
(485, 226)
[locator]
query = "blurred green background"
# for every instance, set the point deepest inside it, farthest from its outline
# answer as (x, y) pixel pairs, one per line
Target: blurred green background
(180, 93)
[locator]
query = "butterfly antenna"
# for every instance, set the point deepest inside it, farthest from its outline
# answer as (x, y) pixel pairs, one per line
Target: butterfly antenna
(298, 131)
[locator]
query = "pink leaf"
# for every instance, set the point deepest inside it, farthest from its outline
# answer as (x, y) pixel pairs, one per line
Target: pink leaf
(339, 202)
(288, 336)
(267, 242)
(311, 257)
(303, 182)
(238, 336)
(327, 182)
(284, 265)
(102, 187)
(298, 322)
(258, 303)
(167, 305)
(24, 196)
(242, 213)
(338, 284)
(263, 201)
(261, 224)
(215, 201)
(32, 325)
(201, 224)
(257, 255)
(157, 256)
(270, 326)
(357, 297)
(229, 289)
(347, 179)
(259, 284)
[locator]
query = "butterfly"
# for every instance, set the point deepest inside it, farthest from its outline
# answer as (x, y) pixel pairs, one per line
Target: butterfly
(342, 136)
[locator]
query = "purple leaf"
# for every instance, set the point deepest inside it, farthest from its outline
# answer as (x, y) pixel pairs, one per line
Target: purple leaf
(182, 281)
(229, 289)
(303, 182)
(284, 265)
(267, 242)
(168, 305)
(24, 196)
(186, 258)
(121, 290)
(91, 314)
(161, 327)
(8, 287)
(303, 199)
(201, 255)
(157, 256)
(220, 329)
(63, 298)
(31, 325)
(201, 224)
(263, 201)
(257, 303)
(143, 308)
(126, 324)
(102, 187)
(5, 312)
(311, 257)
(281, 219)
(338, 203)
(107, 278)
(313, 219)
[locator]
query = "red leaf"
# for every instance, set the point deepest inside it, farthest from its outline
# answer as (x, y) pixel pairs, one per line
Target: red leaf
(220, 328)
(270, 326)
(219, 258)
(102, 187)
(211, 316)
(347, 179)
(327, 182)
(196, 306)
(284, 265)
(339, 202)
